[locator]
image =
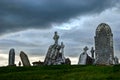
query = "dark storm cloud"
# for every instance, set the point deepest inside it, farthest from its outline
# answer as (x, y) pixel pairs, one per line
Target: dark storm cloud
(23, 14)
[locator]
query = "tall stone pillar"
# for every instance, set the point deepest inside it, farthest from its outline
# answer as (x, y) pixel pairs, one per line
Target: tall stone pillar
(11, 61)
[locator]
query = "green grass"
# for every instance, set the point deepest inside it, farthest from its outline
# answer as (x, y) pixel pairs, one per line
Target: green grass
(61, 72)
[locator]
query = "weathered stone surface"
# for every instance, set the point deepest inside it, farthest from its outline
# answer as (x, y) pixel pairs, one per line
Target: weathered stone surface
(110, 61)
(85, 58)
(11, 57)
(24, 59)
(55, 53)
(103, 44)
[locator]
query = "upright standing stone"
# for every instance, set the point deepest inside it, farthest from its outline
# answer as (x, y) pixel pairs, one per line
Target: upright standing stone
(11, 57)
(24, 59)
(103, 44)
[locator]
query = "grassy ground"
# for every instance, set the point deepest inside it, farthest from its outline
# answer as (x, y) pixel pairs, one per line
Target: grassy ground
(61, 72)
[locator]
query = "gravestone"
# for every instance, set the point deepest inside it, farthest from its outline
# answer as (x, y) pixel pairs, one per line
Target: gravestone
(11, 57)
(103, 44)
(24, 59)
(84, 58)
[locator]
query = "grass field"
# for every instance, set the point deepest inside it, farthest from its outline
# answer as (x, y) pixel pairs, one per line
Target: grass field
(61, 72)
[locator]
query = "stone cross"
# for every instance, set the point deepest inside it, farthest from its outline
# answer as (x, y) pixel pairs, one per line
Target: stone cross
(85, 49)
(56, 37)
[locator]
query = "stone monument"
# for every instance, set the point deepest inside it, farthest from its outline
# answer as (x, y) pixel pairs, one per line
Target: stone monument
(55, 53)
(11, 57)
(103, 44)
(24, 59)
(56, 37)
(84, 58)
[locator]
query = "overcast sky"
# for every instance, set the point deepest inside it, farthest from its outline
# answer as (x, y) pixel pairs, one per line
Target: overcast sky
(29, 25)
